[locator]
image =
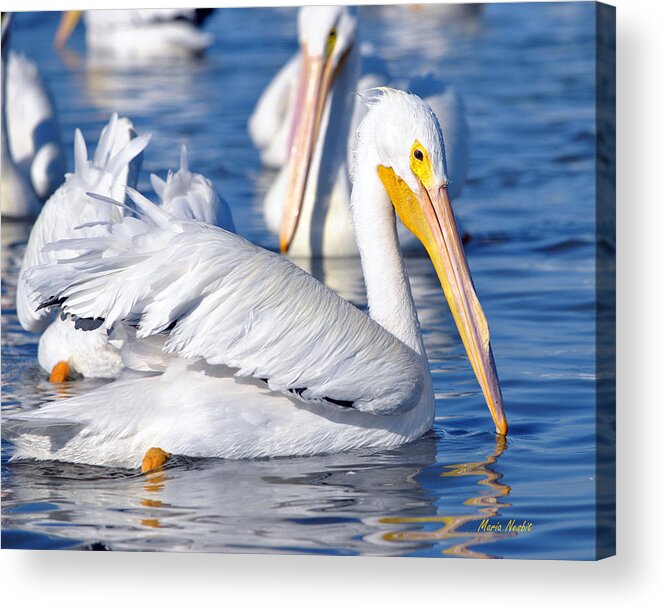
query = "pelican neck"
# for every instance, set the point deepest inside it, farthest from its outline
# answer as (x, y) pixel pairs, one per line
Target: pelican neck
(389, 294)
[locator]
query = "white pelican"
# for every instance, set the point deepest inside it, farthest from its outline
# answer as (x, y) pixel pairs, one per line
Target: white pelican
(32, 125)
(266, 361)
(140, 34)
(63, 347)
(17, 196)
(33, 128)
(306, 120)
(188, 195)
(442, 10)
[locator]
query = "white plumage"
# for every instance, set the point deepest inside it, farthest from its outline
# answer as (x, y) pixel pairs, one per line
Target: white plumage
(89, 353)
(71, 212)
(32, 124)
(140, 34)
(32, 157)
(272, 118)
(189, 195)
(220, 300)
(200, 279)
(262, 360)
(17, 196)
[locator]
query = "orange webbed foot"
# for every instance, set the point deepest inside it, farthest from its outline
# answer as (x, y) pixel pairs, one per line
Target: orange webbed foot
(154, 458)
(60, 372)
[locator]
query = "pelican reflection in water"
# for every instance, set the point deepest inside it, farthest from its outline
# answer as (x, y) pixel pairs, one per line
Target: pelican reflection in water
(298, 504)
(488, 504)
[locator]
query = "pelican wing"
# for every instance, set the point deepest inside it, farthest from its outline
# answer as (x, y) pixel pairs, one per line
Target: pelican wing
(116, 161)
(217, 297)
(185, 194)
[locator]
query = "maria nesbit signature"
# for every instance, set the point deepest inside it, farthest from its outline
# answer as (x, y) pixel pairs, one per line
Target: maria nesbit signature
(486, 525)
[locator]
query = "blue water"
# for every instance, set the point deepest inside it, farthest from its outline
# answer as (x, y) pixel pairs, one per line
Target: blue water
(526, 72)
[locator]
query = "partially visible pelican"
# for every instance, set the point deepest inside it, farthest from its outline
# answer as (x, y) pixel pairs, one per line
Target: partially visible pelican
(64, 348)
(441, 10)
(266, 361)
(188, 195)
(269, 125)
(305, 122)
(137, 34)
(32, 122)
(17, 196)
(33, 161)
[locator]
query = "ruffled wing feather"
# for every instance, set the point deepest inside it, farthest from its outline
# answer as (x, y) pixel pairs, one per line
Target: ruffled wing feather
(220, 298)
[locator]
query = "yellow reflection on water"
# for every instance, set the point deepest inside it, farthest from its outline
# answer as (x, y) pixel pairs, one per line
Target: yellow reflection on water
(154, 484)
(488, 503)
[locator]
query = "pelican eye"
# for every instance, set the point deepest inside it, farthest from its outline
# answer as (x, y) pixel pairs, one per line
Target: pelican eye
(332, 39)
(421, 164)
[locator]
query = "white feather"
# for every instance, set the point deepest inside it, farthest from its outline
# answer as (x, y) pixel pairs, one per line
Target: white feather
(70, 207)
(270, 123)
(263, 360)
(144, 34)
(218, 297)
(18, 198)
(198, 413)
(88, 351)
(69, 213)
(32, 125)
(185, 194)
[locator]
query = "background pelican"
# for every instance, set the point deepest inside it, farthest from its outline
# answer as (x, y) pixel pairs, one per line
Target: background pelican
(67, 345)
(33, 128)
(447, 11)
(17, 196)
(140, 33)
(64, 347)
(189, 195)
(269, 361)
(308, 116)
(33, 161)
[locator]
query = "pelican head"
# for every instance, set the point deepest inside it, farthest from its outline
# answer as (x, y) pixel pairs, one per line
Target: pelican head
(400, 140)
(327, 35)
(326, 32)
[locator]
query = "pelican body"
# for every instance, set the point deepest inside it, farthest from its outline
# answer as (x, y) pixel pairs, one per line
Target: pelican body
(260, 359)
(186, 194)
(305, 123)
(33, 161)
(140, 34)
(65, 347)
(33, 128)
